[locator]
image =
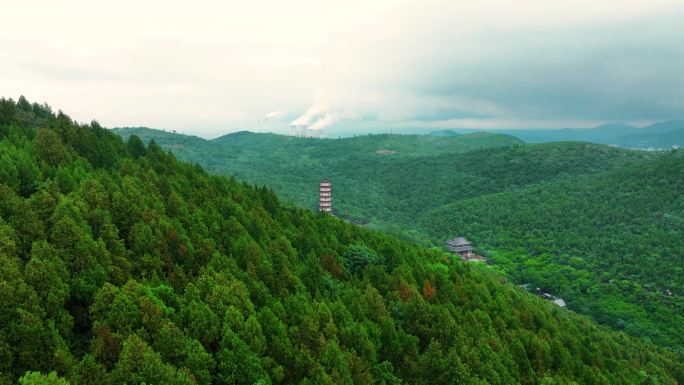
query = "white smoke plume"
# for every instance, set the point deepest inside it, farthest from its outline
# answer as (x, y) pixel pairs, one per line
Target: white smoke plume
(320, 115)
(274, 114)
(326, 120)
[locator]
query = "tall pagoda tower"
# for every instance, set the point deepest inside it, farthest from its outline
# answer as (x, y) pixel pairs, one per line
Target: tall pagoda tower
(325, 196)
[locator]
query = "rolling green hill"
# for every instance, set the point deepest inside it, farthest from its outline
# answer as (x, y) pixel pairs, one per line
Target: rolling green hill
(520, 203)
(121, 264)
(378, 178)
(248, 146)
(293, 166)
(611, 244)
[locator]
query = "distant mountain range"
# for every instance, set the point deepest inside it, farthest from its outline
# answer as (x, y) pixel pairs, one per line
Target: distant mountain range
(658, 135)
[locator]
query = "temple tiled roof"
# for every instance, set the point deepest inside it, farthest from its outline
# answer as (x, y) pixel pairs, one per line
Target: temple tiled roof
(458, 241)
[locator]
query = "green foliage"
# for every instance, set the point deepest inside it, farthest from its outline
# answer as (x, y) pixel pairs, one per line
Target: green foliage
(139, 364)
(599, 226)
(150, 270)
(36, 378)
(357, 257)
(611, 244)
(135, 146)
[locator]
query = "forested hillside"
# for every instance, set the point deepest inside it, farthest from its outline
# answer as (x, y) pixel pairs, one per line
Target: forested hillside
(121, 264)
(612, 244)
(386, 180)
(574, 218)
(359, 167)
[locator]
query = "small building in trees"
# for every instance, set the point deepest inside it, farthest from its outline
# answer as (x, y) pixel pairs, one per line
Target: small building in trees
(464, 249)
(551, 298)
(459, 245)
(547, 296)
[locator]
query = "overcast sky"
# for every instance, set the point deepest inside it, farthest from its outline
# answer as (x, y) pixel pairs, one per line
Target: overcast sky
(213, 67)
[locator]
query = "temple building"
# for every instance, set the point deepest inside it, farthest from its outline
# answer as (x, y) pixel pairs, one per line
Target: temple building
(464, 249)
(325, 196)
(460, 246)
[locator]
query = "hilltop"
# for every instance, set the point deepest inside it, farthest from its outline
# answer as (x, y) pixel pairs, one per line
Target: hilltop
(245, 143)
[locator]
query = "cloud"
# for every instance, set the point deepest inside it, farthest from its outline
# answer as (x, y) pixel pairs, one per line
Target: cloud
(212, 67)
(553, 62)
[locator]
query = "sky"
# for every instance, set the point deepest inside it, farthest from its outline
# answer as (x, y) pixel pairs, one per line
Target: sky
(333, 67)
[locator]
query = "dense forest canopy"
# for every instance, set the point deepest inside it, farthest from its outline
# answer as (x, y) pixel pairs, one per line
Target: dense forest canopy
(602, 227)
(121, 264)
(611, 243)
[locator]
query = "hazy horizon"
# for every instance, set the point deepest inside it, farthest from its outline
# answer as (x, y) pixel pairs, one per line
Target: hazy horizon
(210, 68)
(335, 132)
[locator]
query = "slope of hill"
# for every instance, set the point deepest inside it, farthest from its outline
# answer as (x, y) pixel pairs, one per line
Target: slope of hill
(121, 264)
(424, 199)
(611, 244)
